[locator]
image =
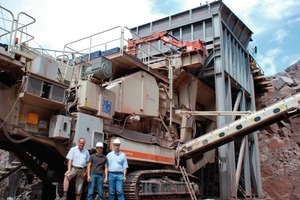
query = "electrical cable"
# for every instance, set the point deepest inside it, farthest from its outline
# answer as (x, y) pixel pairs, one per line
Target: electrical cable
(123, 127)
(14, 140)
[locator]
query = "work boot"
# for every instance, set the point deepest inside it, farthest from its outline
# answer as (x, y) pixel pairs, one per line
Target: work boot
(64, 197)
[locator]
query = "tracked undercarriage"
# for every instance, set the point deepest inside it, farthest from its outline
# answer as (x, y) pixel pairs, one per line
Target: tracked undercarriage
(159, 184)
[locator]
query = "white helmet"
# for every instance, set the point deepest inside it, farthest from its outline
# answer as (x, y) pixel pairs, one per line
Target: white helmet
(116, 141)
(99, 144)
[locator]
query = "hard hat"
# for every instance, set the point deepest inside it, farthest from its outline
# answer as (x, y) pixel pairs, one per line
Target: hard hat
(99, 144)
(116, 141)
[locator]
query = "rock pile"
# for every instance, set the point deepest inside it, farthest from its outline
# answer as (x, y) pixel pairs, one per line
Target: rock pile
(280, 143)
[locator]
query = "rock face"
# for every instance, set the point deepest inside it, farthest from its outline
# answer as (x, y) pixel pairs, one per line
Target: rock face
(280, 143)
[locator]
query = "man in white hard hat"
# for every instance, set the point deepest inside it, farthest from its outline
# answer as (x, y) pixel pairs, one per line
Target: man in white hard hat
(96, 172)
(117, 169)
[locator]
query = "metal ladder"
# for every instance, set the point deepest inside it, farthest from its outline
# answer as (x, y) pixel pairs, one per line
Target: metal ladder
(187, 182)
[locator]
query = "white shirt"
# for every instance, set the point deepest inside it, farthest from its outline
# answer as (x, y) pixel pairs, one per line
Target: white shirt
(117, 162)
(79, 158)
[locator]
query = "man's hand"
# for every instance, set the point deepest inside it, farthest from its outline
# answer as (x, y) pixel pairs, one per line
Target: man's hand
(68, 172)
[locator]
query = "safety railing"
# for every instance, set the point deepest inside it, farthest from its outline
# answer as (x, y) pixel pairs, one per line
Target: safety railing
(101, 41)
(14, 31)
(20, 32)
(147, 52)
(116, 37)
(6, 27)
(106, 42)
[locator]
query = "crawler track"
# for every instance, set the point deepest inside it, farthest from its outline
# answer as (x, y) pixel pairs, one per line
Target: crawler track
(158, 184)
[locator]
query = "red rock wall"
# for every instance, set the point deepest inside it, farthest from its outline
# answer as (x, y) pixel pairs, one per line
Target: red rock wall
(280, 143)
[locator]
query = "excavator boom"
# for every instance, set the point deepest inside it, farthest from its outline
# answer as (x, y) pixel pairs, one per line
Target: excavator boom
(166, 38)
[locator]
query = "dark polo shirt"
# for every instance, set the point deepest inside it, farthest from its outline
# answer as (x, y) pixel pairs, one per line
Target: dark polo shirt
(97, 163)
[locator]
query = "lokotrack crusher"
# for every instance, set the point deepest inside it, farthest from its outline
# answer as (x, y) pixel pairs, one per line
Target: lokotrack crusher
(159, 98)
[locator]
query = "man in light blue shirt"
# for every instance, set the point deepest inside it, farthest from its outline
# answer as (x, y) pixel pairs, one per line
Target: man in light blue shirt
(78, 157)
(117, 169)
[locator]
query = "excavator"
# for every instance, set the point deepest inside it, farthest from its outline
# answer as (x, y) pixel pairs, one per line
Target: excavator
(167, 132)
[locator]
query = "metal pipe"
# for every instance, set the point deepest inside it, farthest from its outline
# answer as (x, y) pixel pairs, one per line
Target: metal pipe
(218, 113)
(240, 162)
(170, 90)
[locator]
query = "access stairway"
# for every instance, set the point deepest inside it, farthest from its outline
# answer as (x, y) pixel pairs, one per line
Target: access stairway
(10, 169)
(187, 182)
(261, 83)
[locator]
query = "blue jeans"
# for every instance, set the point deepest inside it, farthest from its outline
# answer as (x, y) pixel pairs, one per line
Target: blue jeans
(115, 183)
(96, 180)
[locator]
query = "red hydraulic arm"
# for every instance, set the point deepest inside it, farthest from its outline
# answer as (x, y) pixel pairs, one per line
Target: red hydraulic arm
(194, 46)
(166, 38)
(163, 36)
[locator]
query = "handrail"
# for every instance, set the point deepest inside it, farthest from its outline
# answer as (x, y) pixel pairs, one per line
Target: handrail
(25, 25)
(20, 29)
(91, 46)
(12, 26)
(146, 42)
(17, 27)
(11, 21)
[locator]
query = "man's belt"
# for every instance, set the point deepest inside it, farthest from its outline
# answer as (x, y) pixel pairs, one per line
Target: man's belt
(79, 168)
(115, 172)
